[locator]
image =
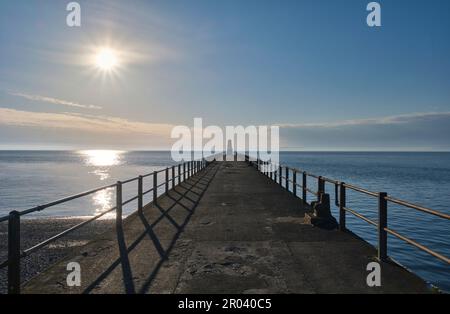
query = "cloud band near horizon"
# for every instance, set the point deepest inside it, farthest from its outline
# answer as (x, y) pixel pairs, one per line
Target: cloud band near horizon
(424, 131)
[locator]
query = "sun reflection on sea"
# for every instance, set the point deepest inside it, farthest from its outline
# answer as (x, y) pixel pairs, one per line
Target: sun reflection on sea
(103, 200)
(101, 162)
(102, 158)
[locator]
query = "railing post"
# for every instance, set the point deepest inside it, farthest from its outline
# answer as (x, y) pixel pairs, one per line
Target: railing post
(184, 171)
(118, 204)
(280, 171)
(271, 171)
(342, 204)
(155, 186)
(382, 224)
(173, 177)
(140, 195)
(304, 187)
(287, 178)
(14, 253)
(167, 180)
(294, 180)
(320, 187)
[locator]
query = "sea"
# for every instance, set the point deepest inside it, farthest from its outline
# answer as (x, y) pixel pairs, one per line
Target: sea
(31, 178)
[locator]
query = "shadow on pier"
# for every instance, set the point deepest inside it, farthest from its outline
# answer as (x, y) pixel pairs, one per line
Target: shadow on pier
(144, 241)
(227, 229)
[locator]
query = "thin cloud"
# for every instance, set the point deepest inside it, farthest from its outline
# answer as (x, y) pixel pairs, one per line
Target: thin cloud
(73, 121)
(413, 131)
(388, 120)
(420, 131)
(100, 123)
(55, 101)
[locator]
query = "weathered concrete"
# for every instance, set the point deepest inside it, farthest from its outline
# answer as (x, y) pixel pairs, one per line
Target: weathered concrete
(228, 229)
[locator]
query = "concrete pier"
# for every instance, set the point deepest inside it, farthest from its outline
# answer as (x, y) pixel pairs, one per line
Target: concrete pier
(228, 229)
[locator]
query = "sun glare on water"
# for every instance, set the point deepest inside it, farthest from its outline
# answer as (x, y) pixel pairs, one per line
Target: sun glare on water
(102, 158)
(100, 164)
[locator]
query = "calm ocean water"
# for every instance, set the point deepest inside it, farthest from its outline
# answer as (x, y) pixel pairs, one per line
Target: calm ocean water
(30, 178)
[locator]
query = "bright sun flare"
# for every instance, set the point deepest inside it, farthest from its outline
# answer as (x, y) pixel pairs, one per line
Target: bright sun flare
(106, 59)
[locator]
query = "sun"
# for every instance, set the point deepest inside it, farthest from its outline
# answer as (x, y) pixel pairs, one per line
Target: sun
(106, 59)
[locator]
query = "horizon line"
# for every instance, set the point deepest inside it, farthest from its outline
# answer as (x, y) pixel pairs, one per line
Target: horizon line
(168, 150)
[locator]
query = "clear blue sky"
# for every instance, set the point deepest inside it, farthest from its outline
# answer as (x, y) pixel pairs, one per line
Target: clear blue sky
(313, 66)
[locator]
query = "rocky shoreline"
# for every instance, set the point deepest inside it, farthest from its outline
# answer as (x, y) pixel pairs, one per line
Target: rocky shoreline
(36, 230)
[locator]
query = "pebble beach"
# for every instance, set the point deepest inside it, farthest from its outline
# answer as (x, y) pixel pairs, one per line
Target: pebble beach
(33, 231)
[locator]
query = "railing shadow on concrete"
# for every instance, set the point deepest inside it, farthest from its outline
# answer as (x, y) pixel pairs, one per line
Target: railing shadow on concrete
(180, 173)
(275, 173)
(200, 182)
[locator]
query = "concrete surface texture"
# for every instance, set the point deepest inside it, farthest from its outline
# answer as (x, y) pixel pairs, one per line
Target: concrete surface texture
(228, 229)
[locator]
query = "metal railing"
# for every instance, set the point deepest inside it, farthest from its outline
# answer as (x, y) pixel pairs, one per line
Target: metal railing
(183, 172)
(275, 173)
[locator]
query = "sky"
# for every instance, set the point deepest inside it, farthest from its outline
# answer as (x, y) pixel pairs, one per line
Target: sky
(312, 67)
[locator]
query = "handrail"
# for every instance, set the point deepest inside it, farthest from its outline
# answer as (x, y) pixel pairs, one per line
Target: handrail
(417, 207)
(64, 200)
(358, 189)
(355, 213)
(63, 233)
(340, 201)
(330, 180)
(14, 251)
(130, 180)
(419, 246)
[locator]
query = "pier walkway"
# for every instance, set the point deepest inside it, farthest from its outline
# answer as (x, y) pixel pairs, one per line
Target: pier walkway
(227, 229)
